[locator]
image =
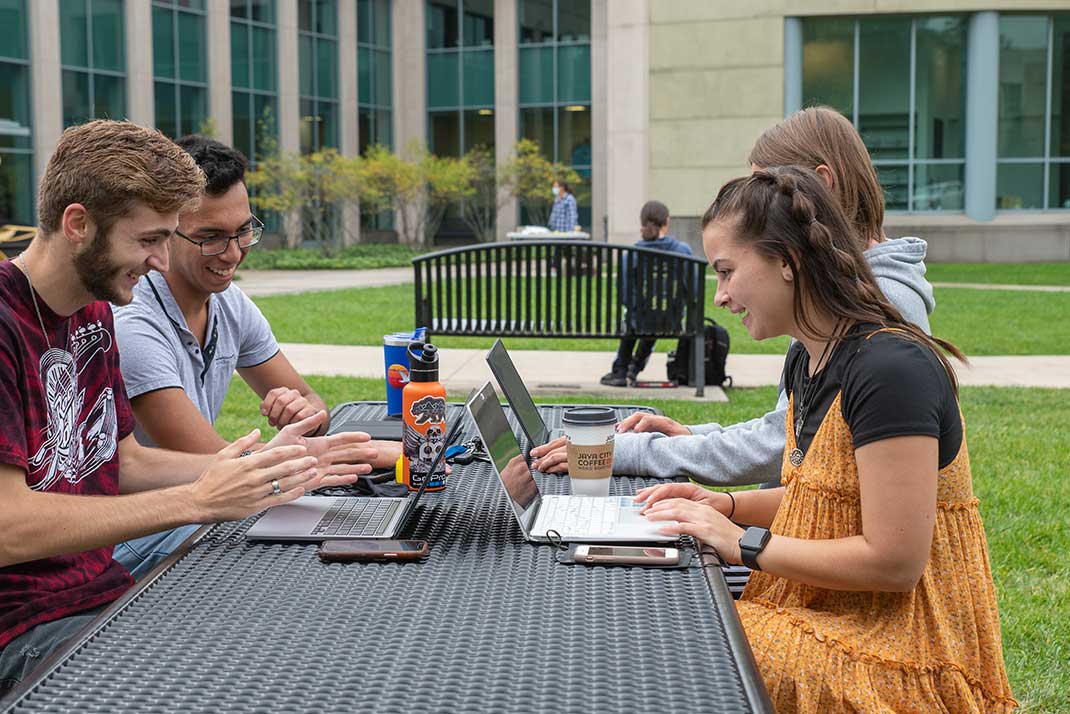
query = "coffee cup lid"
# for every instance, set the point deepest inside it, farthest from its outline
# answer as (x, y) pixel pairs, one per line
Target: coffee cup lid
(590, 416)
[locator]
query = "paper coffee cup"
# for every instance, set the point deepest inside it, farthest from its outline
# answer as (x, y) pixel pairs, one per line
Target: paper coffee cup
(589, 432)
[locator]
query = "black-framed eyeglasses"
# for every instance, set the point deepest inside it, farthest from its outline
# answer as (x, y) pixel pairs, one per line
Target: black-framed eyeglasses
(246, 238)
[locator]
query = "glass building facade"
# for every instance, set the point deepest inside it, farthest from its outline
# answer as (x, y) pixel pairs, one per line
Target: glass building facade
(913, 121)
(93, 60)
(254, 76)
(1033, 165)
(16, 122)
(375, 77)
(317, 38)
(180, 65)
(554, 86)
(460, 75)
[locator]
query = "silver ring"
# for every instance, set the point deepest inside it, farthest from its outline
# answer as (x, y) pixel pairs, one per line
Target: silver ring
(275, 490)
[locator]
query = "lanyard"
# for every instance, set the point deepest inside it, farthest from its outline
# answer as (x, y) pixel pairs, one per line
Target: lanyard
(213, 334)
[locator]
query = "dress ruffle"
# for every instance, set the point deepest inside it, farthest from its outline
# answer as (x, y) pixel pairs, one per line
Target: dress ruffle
(806, 671)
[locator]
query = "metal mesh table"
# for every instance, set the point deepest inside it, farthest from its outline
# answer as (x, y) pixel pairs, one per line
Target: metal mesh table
(486, 623)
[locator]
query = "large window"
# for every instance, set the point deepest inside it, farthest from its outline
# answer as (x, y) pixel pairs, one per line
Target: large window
(254, 95)
(180, 65)
(555, 86)
(901, 81)
(317, 24)
(460, 75)
(1033, 170)
(375, 86)
(16, 139)
(93, 60)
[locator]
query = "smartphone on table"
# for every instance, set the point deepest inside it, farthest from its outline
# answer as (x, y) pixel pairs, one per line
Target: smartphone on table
(626, 554)
(345, 550)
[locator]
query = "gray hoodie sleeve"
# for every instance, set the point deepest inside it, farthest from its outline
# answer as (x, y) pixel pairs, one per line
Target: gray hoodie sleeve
(746, 453)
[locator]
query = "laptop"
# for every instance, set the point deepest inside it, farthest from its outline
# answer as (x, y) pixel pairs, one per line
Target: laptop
(518, 396)
(319, 518)
(613, 519)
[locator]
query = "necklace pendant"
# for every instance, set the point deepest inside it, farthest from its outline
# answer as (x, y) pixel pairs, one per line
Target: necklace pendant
(796, 457)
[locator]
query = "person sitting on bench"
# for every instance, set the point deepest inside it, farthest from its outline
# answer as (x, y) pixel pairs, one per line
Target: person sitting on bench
(634, 352)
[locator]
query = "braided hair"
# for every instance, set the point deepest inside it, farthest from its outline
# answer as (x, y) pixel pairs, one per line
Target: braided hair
(787, 213)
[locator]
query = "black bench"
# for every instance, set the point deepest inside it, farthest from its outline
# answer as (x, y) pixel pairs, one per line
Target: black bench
(562, 288)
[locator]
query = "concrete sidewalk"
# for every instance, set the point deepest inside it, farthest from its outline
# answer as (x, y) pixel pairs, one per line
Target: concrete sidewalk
(558, 372)
(261, 283)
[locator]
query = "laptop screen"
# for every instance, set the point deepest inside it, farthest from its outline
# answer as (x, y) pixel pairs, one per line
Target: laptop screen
(504, 451)
(516, 393)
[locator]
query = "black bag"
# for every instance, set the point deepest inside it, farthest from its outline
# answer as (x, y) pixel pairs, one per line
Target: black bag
(678, 367)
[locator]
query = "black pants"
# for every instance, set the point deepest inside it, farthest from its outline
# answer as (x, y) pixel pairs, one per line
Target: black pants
(625, 360)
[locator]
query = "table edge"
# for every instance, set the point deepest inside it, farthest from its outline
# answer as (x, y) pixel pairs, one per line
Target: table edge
(749, 675)
(53, 661)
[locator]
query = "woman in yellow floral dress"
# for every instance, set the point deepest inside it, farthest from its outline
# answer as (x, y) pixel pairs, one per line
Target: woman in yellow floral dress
(872, 590)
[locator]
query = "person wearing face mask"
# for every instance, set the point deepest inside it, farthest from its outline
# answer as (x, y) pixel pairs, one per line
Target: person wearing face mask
(564, 216)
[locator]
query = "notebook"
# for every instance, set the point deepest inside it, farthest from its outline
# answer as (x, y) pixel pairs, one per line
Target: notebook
(318, 518)
(613, 519)
(518, 396)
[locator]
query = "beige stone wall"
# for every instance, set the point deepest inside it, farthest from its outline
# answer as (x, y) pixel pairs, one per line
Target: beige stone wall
(717, 80)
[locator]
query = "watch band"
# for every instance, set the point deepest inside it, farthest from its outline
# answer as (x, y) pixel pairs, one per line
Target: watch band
(751, 544)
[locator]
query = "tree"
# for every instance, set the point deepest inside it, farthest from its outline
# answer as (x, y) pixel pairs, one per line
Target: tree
(318, 186)
(480, 209)
(447, 181)
(528, 175)
(420, 188)
(209, 127)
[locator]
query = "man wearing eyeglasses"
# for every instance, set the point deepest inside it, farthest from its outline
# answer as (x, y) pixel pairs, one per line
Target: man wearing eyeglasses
(188, 329)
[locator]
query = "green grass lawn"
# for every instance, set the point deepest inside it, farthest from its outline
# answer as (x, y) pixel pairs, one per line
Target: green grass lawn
(999, 273)
(980, 322)
(1020, 468)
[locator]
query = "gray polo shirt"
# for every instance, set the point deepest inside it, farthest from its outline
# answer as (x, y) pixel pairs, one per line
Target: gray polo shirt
(158, 351)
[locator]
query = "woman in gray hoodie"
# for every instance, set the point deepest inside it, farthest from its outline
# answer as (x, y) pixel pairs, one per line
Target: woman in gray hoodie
(751, 452)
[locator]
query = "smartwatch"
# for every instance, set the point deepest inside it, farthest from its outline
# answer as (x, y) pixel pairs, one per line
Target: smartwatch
(751, 544)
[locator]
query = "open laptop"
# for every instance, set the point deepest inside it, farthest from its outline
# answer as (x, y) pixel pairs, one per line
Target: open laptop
(518, 396)
(319, 518)
(613, 519)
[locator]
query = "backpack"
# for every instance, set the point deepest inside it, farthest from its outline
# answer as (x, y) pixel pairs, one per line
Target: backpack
(678, 367)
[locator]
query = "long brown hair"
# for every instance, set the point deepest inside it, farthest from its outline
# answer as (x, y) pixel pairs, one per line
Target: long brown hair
(821, 135)
(787, 213)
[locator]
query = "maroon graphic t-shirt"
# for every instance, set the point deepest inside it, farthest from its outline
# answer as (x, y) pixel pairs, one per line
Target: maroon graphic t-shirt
(63, 412)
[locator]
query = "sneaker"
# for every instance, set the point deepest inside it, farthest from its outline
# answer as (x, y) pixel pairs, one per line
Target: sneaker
(614, 380)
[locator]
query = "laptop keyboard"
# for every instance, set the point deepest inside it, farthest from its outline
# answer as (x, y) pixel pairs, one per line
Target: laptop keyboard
(582, 515)
(357, 517)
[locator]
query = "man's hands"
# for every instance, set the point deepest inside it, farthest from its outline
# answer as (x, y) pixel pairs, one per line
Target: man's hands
(233, 487)
(340, 458)
(697, 512)
(550, 458)
(284, 406)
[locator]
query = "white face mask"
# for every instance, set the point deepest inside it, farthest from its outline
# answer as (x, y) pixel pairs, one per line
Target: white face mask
(556, 191)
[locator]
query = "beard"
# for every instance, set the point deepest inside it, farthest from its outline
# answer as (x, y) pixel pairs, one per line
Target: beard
(98, 271)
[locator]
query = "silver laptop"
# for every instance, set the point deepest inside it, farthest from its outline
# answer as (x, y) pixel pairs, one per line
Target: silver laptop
(318, 518)
(518, 396)
(613, 519)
